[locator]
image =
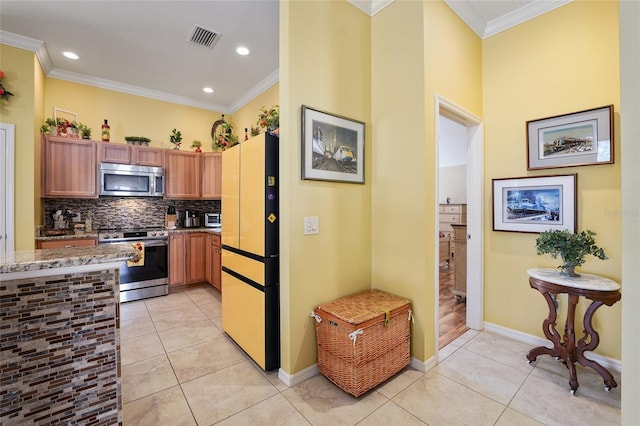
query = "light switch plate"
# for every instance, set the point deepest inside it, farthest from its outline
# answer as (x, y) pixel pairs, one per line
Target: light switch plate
(311, 225)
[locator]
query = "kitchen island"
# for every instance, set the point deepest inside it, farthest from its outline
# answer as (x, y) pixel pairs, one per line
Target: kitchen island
(60, 340)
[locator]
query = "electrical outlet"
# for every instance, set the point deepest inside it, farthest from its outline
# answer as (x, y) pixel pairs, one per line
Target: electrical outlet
(311, 225)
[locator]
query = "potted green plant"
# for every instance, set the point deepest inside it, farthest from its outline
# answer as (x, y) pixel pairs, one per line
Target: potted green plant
(84, 130)
(572, 248)
(176, 138)
(196, 144)
(269, 118)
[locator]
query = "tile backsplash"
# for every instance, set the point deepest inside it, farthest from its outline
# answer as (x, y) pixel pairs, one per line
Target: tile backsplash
(124, 212)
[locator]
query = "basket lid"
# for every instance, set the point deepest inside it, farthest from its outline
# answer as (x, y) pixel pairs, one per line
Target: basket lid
(364, 306)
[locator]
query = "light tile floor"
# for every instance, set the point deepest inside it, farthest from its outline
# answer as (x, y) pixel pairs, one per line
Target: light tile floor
(179, 368)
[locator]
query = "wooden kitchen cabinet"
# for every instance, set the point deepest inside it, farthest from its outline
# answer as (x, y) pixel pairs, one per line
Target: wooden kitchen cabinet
(196, 261)
(71, 242)
(214, 264)
(182, 175)
(130, 154)
(69, 168)
(177, 251)
(211, 176)
(187, 258)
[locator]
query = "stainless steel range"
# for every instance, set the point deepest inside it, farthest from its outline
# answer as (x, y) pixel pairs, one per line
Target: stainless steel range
(151, 278)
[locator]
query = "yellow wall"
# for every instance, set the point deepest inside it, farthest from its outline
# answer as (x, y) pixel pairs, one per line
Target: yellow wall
(23, 76)
(131, 115)
(539, 69)
(324, 64)
(405, 82)
(247, 116)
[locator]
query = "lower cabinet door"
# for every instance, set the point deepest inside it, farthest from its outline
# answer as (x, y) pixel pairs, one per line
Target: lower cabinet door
(243, 316)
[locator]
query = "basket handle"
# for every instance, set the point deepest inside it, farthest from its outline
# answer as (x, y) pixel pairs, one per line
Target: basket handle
(354, 335)
(317, 317)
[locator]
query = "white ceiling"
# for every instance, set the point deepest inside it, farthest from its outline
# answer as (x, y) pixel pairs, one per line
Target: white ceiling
(143, 48)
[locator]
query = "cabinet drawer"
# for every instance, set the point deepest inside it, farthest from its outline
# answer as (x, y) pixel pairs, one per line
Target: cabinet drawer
(452, 208)
(80, 242)
(451, 218)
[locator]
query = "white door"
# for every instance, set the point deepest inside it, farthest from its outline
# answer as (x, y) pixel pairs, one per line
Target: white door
(7, 132)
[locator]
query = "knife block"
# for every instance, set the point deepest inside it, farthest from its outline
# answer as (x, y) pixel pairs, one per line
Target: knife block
(170, 221)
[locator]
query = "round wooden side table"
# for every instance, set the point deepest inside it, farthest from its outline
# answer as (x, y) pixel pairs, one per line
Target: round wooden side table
(601, 291)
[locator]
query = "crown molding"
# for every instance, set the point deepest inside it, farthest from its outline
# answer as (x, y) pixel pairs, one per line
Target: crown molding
(370, 7)
(520, 15)
(29, 44)
(133, 90)
(255, 91)
(465, 10)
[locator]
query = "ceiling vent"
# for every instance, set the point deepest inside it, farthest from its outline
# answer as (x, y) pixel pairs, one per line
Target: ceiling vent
(204, 37)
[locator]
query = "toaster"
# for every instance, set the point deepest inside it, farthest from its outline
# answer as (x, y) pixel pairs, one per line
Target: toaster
(212, 220)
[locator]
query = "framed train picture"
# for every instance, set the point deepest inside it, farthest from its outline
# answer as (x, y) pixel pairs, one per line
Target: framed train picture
(535, 204)
(579, 139)
(332, 147)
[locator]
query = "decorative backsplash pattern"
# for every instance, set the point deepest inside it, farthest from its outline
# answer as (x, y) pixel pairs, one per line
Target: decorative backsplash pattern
(124, 212)
(60, 348)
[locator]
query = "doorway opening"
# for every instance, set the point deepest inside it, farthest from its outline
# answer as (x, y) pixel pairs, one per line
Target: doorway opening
(7, 136)
(459, 207)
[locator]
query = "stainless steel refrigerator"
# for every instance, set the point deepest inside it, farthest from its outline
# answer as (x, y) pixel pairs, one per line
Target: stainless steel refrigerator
(250, 248)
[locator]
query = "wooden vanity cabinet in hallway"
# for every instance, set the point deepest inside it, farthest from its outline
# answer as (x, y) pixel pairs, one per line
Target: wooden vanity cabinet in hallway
(460, 260)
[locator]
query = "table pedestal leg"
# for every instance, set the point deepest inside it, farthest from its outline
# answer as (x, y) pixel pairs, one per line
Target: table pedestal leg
(588, 343)
(549, 330)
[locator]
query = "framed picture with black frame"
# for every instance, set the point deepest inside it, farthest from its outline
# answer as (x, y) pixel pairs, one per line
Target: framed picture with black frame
(535, 204)
(332, 147)
(578, 139)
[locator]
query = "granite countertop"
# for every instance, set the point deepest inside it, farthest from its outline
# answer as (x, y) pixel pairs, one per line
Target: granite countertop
(200, 229)
(34, 260)
(94, 235)
(69, 236)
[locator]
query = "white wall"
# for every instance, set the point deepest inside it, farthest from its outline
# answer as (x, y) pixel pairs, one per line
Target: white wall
(453, 162)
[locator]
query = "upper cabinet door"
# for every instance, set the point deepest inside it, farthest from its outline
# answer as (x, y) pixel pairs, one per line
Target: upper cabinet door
(211, 175)
(114, 153)
(182, 175)
(69, 168)
(231, 196)
(145, 156)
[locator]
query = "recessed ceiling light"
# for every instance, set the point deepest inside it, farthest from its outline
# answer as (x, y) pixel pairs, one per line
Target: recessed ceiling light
(71, 55)
(242, 51)
(207, 90)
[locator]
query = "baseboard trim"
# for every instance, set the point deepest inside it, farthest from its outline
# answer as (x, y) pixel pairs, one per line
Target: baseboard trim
(424, 366)
(532, 340)
(299, 377)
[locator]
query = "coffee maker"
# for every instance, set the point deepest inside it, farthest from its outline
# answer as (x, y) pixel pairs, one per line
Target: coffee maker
(191, 219)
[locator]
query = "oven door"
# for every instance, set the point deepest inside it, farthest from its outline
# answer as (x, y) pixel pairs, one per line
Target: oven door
(150, 279)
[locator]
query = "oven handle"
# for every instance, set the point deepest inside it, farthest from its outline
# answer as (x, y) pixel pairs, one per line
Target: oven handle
(147, 243)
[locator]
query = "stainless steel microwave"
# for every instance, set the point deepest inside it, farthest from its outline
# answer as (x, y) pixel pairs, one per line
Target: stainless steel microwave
(125, 180)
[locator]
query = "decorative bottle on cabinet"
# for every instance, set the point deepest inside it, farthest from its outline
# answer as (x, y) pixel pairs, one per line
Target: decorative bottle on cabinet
(105, 131)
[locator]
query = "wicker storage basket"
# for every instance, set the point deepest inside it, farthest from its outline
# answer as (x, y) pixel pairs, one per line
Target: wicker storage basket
(363, 339)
